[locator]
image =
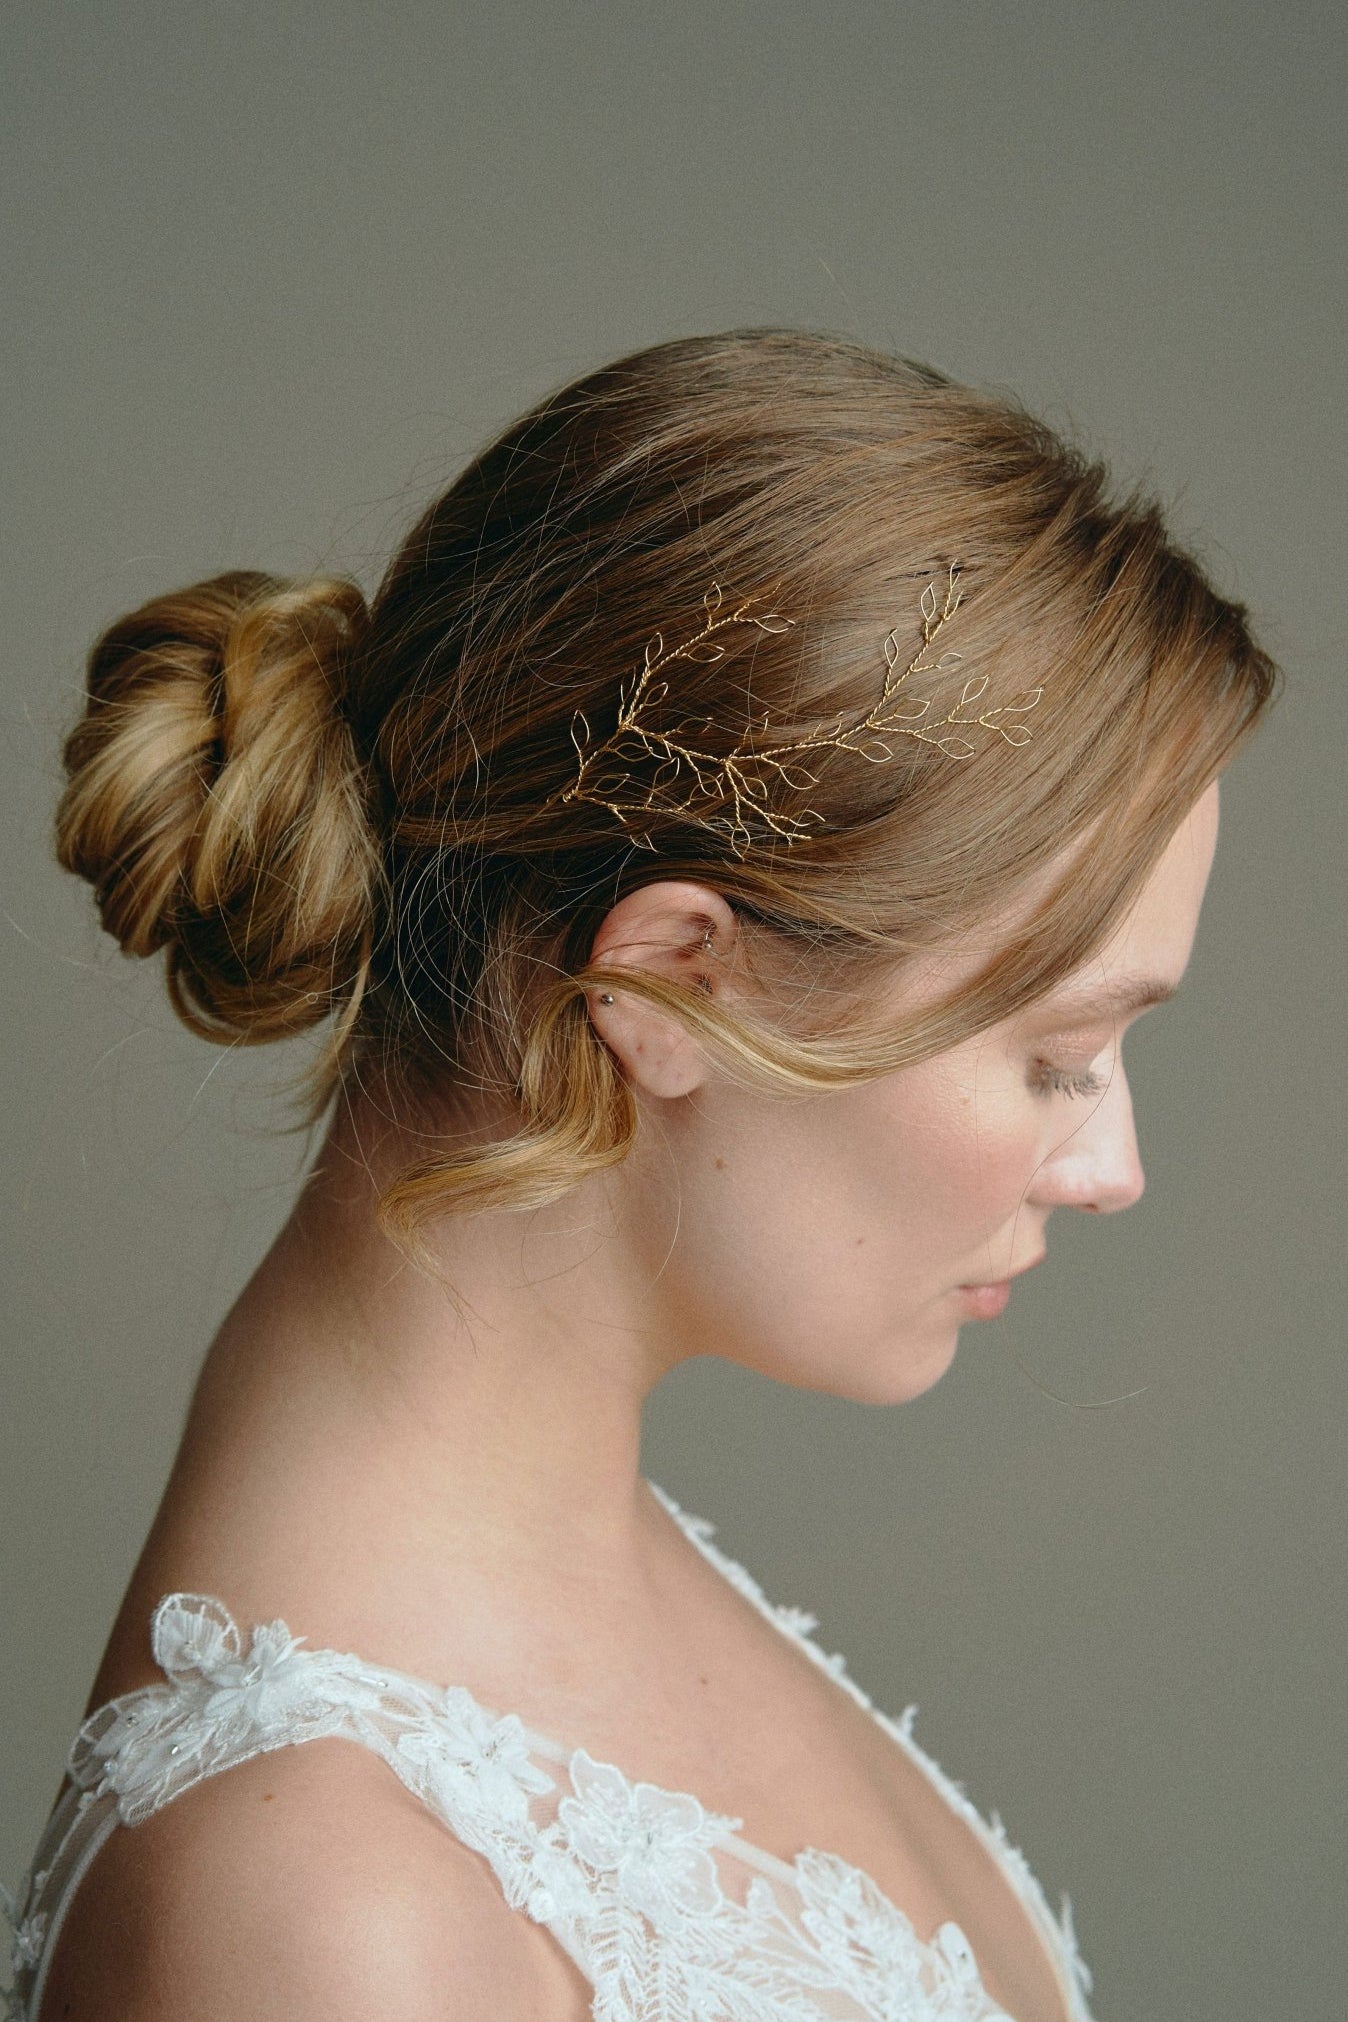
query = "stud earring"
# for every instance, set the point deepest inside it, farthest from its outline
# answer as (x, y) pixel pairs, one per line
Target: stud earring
(606, 996)
(704, 982)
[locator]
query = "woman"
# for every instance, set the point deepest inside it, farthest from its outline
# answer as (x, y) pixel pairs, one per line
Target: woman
(731, 848)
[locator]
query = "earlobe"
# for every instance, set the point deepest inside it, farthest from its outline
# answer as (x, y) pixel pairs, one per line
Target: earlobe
(656, 1056)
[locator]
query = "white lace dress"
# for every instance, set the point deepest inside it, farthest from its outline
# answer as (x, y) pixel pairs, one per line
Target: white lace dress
(669, 1914)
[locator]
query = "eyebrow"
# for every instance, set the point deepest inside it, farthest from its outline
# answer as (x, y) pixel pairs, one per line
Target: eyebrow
(1123, 997)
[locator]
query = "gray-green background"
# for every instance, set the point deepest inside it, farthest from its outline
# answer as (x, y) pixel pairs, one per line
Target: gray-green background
(273, 270)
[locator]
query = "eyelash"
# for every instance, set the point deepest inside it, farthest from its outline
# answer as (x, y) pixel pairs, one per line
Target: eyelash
(1060, 1081)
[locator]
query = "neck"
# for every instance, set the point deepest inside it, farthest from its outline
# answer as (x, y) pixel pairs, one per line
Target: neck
(353, 1411)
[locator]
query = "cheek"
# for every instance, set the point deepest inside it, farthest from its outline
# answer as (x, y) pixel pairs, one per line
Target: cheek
(821, 1241)
(862, 1206)
(953, 1153)
(828, 1254)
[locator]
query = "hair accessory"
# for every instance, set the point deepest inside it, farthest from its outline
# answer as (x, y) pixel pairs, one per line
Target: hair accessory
(728, 792)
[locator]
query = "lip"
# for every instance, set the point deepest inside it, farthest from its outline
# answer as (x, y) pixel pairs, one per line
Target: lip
(989, 1297)
(985, 1302)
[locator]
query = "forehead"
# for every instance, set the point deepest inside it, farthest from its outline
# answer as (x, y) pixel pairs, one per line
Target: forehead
(1144, 958)
(1151, 946)
(1159, 931)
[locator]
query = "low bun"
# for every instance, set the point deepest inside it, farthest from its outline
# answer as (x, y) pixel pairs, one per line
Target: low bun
(217, 804)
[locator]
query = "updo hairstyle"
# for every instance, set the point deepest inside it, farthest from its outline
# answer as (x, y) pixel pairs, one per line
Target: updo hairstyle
(321, 811)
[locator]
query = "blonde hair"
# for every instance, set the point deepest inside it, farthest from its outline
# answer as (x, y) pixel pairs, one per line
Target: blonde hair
(320, 810)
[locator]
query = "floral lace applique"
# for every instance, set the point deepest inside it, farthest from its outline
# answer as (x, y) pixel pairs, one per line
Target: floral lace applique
(671, 1917)
(654, 1843)
(798, 1624)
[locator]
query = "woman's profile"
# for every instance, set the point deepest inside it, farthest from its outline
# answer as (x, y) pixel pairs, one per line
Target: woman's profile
(719, 868)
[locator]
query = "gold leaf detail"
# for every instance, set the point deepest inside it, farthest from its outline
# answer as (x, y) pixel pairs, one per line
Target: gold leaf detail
(740, 780)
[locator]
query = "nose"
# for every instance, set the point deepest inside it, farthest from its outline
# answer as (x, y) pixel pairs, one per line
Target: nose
(1096, 1166)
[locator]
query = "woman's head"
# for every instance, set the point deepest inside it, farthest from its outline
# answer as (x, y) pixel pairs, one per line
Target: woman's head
(397, 816)
(831, 1241)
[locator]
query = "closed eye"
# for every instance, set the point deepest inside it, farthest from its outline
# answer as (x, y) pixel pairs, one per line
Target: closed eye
(1050, 1080)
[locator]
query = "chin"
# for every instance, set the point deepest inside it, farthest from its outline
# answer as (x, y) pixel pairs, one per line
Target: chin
(893, 1371)
(898, 1386)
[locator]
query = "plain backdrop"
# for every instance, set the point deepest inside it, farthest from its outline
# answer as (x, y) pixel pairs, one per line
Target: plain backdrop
(273, 270)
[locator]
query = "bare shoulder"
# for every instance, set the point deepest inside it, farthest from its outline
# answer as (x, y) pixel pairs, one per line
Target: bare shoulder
(303, 1884)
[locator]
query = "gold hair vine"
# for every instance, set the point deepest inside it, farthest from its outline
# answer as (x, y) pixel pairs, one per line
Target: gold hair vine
(735, 784)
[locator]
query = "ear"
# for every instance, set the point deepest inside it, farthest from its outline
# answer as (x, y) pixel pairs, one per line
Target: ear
(682, 931)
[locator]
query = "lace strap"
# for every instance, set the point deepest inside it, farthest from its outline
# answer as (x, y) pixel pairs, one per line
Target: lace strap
(630, 1878)
(78, 1826)
(222, 1705)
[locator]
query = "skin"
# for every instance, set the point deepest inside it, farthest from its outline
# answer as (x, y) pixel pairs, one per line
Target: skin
(452, 1483)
